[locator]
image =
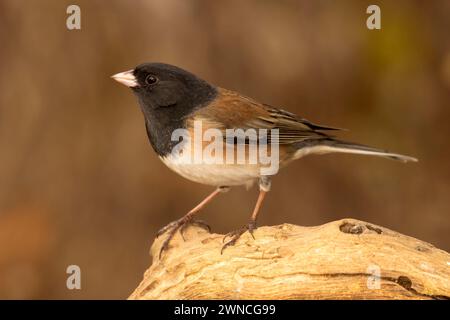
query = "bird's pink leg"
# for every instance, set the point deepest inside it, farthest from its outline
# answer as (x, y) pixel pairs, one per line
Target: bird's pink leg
(187, 219)
(235, 235)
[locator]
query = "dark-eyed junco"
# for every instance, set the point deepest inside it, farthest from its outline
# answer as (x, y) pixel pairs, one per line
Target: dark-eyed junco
(176, 104)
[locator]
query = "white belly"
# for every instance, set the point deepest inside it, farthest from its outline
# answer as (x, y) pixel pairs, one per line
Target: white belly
(214, 174)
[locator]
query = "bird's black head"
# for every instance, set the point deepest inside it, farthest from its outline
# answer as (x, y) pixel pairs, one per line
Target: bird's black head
(167, 95)
(159, 85)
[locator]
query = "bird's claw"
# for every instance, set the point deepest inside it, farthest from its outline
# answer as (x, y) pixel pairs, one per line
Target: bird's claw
(165, 228)
(199, 223)
(181, 225)
(236, 234)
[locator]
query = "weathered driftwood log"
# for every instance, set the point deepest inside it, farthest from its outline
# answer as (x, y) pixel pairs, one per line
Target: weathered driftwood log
(345, 259)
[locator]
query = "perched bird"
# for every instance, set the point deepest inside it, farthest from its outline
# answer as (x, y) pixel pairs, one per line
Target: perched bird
(172, 98)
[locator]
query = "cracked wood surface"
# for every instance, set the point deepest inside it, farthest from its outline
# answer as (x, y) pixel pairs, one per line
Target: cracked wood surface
(344, 259)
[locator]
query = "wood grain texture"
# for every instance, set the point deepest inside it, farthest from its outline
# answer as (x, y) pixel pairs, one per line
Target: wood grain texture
(344, 259)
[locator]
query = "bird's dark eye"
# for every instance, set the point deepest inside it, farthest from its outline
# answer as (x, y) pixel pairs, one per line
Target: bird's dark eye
(151, 79)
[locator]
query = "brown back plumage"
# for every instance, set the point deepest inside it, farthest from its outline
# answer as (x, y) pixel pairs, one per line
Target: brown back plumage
(230, 110)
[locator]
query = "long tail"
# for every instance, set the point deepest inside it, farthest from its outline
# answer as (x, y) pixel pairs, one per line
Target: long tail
(328, 145)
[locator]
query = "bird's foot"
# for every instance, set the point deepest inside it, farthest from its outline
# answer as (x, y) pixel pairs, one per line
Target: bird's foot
(181, 225)
(236, 234)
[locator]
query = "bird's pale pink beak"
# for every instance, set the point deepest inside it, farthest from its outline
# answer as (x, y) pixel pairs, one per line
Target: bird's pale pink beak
(127, 78)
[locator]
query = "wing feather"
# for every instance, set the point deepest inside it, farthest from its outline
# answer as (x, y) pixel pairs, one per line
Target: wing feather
(234, 111)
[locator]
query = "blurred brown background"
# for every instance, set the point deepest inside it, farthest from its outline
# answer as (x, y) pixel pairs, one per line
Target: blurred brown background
(79, 183)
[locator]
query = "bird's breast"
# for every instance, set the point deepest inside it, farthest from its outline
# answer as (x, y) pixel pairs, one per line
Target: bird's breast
(213, 174)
